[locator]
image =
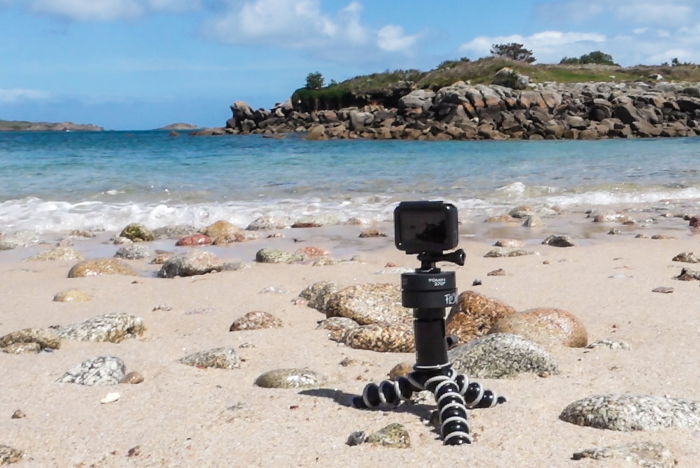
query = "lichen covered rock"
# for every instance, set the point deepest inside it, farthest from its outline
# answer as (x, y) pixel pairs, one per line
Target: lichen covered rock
(256, 320)
(278, 256)
(381, 337)
(369, 303)
(218, 358)
(113, 328)
(318, 294)
(43, 337)
(137, 233)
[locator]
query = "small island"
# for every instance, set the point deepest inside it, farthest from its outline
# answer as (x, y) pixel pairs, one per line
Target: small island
(180, 126)
(25, 126)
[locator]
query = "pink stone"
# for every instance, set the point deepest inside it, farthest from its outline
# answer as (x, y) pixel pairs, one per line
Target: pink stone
(194, 240)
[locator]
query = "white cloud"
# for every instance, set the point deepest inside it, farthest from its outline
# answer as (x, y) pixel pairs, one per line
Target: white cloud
(108, 10)
(13, 95)
(392, 38)
(649, 12)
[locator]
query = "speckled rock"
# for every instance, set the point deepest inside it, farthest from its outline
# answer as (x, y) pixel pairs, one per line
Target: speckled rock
(393, 436)
(278, 256)
(103, 370)
(369, 303)
(646, 454)
(218, 358)
(558, 241)
(21, 348)
(499, 252)
(337, 327)
(133, 252)
(687, 257)
(370, 233)
(545, 326)
(312, 252)
(44, 337)
(625, 412)
(137, 233)
(256, 320)
(609, 344)
(268, 223)
(9, 455)
(318, 294)
(223, 232)
(101, 266)
(113, 328)
(58, 254)
(174, 232)
(161, 257)
(194, 240)
(382, 337)
(501, 355)
(72, 295)
(688, 275)
(316, 220)
(191, 263)
(474, 315)
(290, 378)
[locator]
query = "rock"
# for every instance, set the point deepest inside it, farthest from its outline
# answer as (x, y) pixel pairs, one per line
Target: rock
(558, 241)
(110, 398)
(545, 326)
(533, 221)
(521, 212)
(256, 320)
(509, 243)
(662, 290)
(268, 223)
(99, 267)
(44, 337)
(218, 358)
(510, 79)
(137, 233)
(317, 132)
(58, 254)
(18, 414)
(132, 378)
(312, 221)
(312, 252)
(501, 219)
(610, 344)
(371, 233)
(174, 232)
(687, 257)
(194, 240)
(646, 454)
(418, 99)
(223, 233)
(474, 315)
(21, 348)
(688, 275)
(356, 438)
(694, 222)
(382, 337)
(626, 412)
(290, 378)
(103, 370)
(401, 369)
(278, 256)
(498, 272)
(9, 455)
(507, 252)
(191, 263)
(318, 294)
(161, 257)
(501, 355)
(369, 303)
(393, 436)
(133, 252)
(17, 239)
(338, 327)
(114, 328)
(662, 237)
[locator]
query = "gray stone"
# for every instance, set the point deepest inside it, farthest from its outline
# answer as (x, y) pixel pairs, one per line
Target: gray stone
(103, 370)
(290, 378)
(646, 454)
(44, 337)
(418, 99)
(133, 252)
(369, 303)
(318, 294)
(191, 263)
(219, 358)
(533, 221)
(507, 252)
(625, 412)
(663, 290)
(609, 344)
(502, 355)
(113, 328)
(688, 275)
(278, 256)
(511, 79)
(9, 455)
(174, 232)
(687, 257)
(558, 241)
(268, 223)
(58, 254)
(356, 438)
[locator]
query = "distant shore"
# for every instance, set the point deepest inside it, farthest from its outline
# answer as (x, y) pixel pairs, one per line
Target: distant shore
(25, 126)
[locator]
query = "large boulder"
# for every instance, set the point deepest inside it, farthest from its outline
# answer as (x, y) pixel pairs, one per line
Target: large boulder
(510, 79)
(369, 303)
(419, 99)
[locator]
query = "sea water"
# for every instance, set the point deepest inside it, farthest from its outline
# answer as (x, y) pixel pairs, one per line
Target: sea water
(55, 182)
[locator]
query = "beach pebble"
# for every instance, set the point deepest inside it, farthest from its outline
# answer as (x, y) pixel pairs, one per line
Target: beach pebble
(368, 233)
(662, 237)
(312, 252)
(337, 327)
(133, 252)
(268, 223)
(509, 243)
(498, 272)
(501, 355)
(545, 326)
(533, 221)
(100, 266)
(318, 294)
(627, 412)
(137, 233)
(256, 320)
(290, 378)
(223, 233)
(356, 438)
(609, 344)
(507, 252)
(18, 414)
(393, 436)
(191, 263)
(194, 240)
(174, 232)
(9, 455)
(161, 257)
(113, 328)
(687, 257)
(102, 370)
(132, 378)
(369, 303)
(474, 315)
(325, 261)
(688, 275)
(401, 369)
(382, 337)
(110, 398)
(501, 219)
(58, 254)
(219, 358)
(43, 337)
(558, 241)
(646, 454)
(278, 256)
(522, 211)
(71, 295)
(663, 290)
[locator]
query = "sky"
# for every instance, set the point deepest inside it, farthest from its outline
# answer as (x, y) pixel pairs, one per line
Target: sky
(143, 64)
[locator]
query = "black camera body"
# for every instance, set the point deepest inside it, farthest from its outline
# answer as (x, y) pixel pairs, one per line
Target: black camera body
(425, 227)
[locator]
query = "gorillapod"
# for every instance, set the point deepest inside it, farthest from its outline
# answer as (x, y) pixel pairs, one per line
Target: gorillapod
(428, 291)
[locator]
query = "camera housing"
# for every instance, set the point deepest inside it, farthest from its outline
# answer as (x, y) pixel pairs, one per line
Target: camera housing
(425, 227)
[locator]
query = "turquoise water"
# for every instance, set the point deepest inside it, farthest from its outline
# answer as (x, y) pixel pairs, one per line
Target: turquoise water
(59, 181)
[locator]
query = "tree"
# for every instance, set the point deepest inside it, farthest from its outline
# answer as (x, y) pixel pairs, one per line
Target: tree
(569, 61)
(513, 51)
(597, 57)
(314, 80)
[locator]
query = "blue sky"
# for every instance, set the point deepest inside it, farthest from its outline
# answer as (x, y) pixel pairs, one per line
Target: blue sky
(139, 64)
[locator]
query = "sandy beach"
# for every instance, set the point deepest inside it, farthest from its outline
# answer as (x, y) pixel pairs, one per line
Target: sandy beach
(187, 416)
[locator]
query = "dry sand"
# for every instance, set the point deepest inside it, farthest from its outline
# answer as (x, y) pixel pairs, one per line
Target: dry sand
(185, 416)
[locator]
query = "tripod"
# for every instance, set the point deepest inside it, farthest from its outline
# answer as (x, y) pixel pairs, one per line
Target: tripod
(428, 291)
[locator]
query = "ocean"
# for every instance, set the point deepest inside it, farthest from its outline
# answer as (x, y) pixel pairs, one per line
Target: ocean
(57, 182)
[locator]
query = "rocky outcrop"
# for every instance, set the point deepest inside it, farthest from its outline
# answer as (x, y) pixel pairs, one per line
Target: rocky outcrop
(521, 110)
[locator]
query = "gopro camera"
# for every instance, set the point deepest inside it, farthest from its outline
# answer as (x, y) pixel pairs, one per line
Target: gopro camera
(425, 226)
